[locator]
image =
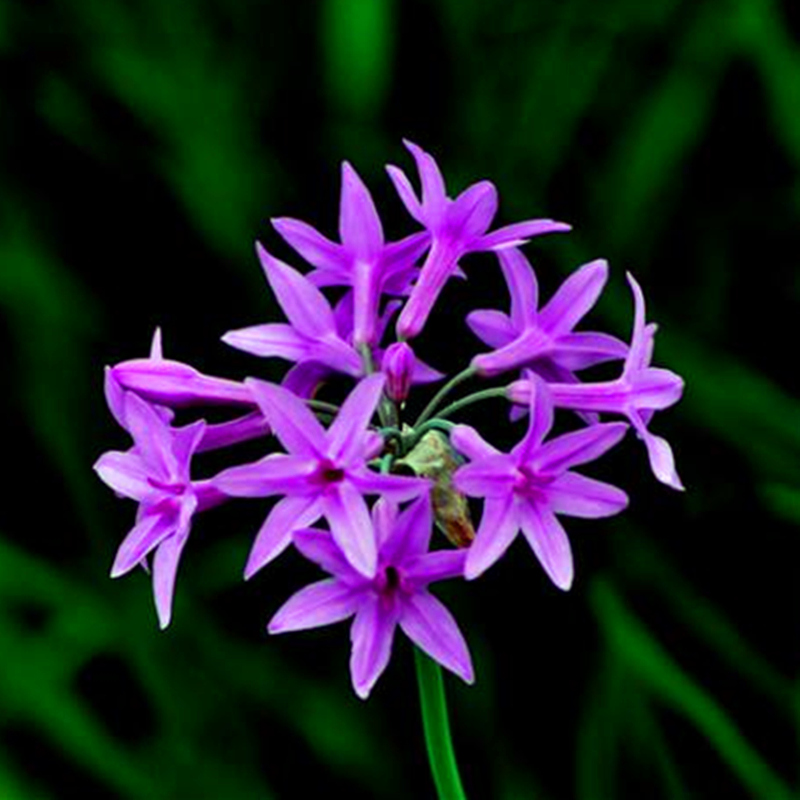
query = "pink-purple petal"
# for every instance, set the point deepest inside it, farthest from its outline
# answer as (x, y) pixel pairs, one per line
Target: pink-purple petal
(428, 623)
(297, 428)
(301, 301)
(549, 542)
(472, 212)
(165, 567)
(411, 533)
(351, 527)
(277, 473)
(470, 443)
(519, 233)
(497, 529)
(322, 603)
(435, 566)
(149, 530)
(493, 476)
(574, 298)
(359, 225)
(371, 635)
(523, 287)
(578, 496)
(578, 447)
(346, 433)
(319, 547)
(287, 515)
(493, 328)
(124, 473)
(315, 248)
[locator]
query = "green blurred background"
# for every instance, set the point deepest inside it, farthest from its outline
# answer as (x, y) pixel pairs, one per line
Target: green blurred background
(143, 147)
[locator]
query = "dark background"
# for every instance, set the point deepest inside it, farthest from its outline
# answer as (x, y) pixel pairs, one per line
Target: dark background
(143, 147)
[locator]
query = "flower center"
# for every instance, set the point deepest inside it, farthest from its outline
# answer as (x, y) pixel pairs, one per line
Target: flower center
(530, 484)
(329, 472)
(392, 578)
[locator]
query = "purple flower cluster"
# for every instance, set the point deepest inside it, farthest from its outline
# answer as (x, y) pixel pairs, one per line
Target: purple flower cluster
(359, 486)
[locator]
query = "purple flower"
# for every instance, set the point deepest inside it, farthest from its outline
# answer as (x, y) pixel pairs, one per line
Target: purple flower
(175, 384)
(396, 595)
(528, 337)
(526, 488)
(456, 227)
(311, 334)
(324, 474)
(363, 261)
(637, 393)
(155, 472)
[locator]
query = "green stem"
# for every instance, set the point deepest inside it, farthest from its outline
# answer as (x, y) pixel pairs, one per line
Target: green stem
(325, 408)
(435, 723)
(486, 394)
(427, 412)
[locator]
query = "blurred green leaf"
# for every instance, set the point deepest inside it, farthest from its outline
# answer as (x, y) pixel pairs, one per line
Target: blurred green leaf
(652, 665)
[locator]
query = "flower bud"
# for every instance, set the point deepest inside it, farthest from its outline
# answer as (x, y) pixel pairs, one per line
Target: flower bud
(399, 363)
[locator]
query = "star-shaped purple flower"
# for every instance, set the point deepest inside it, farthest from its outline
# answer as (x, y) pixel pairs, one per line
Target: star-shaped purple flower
(456, 227)
(526, 488)
(363, 261)
(544, 339)
(396, 595)
(324, 474)
(311, 334)
(156, 473)
(638, 393)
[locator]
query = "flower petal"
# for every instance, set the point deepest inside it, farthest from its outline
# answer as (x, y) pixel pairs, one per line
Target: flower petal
(165, 567)
(142, 538)
(578, 496)
(304, 305)
(319, 547)
(493, 328)
(519, 233)
(493, 476)
(523, 287)
(321, 603)
(472, 212)
(578, 447)
(406, 192)
(124, 473)
(351, 526)
(411, 533)
(662, 461)
(468, 441)
(496, 531)
(435, 566)
(434, 195)
(287, 515)
(359, 225)
(574, 298)
(549, 542)
(272, 340)
(372, 634)
(428, 623)
(297, 428)
(346, 435)
(540, 408)
(277, 473)
(315, 248)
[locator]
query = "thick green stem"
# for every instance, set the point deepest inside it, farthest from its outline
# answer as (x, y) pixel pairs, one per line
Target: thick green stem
(435, 723)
